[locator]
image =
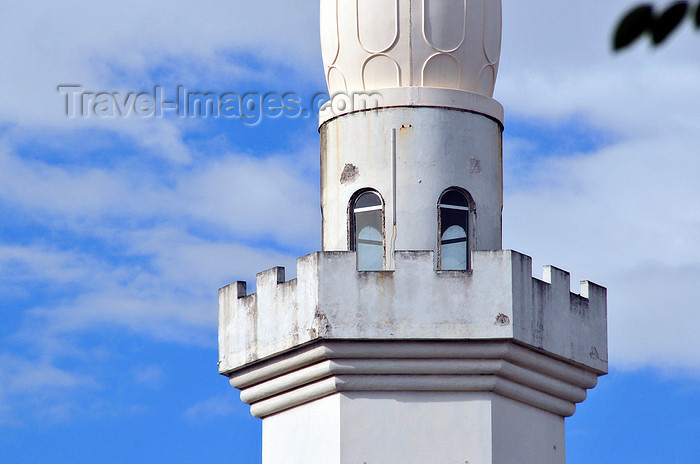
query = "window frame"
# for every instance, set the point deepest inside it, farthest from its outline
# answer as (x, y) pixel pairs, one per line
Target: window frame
(352, 226)
(468, 227)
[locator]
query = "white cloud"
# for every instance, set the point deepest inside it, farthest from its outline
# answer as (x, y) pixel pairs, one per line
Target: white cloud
(245, 196)
(165, 290)
(148, 376)
(130, 46)
(92, 43)
(21, 375)
(626, 216)
(255, 197)
(214, 407)
(655, 315)
(169, 296)
(175, 243)
(35, 391)
(557, 62)
(23, 264)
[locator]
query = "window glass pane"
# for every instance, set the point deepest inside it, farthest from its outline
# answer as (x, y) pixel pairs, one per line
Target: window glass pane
(370, 250)
(368, 199)
(451, 217)
(454, 249)
(453, 197)
(369, 241)
(454, 243)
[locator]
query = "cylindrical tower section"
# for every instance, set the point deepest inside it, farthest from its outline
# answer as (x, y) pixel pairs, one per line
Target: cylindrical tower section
(410, 156)
(411, 145)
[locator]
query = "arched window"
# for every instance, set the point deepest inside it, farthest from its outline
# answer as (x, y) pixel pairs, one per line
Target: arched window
(453, 222)
(367, 231)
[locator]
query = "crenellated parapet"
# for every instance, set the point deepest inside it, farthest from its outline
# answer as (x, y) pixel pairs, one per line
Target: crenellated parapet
(497, 300)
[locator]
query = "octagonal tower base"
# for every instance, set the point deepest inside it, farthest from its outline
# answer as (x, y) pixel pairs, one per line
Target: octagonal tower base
(413, 365)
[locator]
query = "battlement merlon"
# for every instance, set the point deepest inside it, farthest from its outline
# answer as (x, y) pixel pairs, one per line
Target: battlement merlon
(498, 299)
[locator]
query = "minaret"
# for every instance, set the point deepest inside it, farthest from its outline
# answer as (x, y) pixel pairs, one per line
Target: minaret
(412, 337)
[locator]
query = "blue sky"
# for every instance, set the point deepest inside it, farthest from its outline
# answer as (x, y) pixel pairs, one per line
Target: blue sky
(115, 234)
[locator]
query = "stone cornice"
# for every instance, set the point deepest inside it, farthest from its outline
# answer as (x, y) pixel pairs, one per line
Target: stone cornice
(328, 367)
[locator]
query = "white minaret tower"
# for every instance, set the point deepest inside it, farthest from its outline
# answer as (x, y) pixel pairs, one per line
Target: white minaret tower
(412, 338)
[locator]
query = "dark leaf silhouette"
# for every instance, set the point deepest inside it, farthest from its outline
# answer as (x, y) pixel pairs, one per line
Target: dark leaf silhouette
(643, 20)
(668, 21)
(633, 25)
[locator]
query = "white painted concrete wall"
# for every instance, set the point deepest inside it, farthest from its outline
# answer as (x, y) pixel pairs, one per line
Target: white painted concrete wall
(413, 428)
(436, 148)
(499, 299)
(522, 434)
(416, 427)
(308, 434)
